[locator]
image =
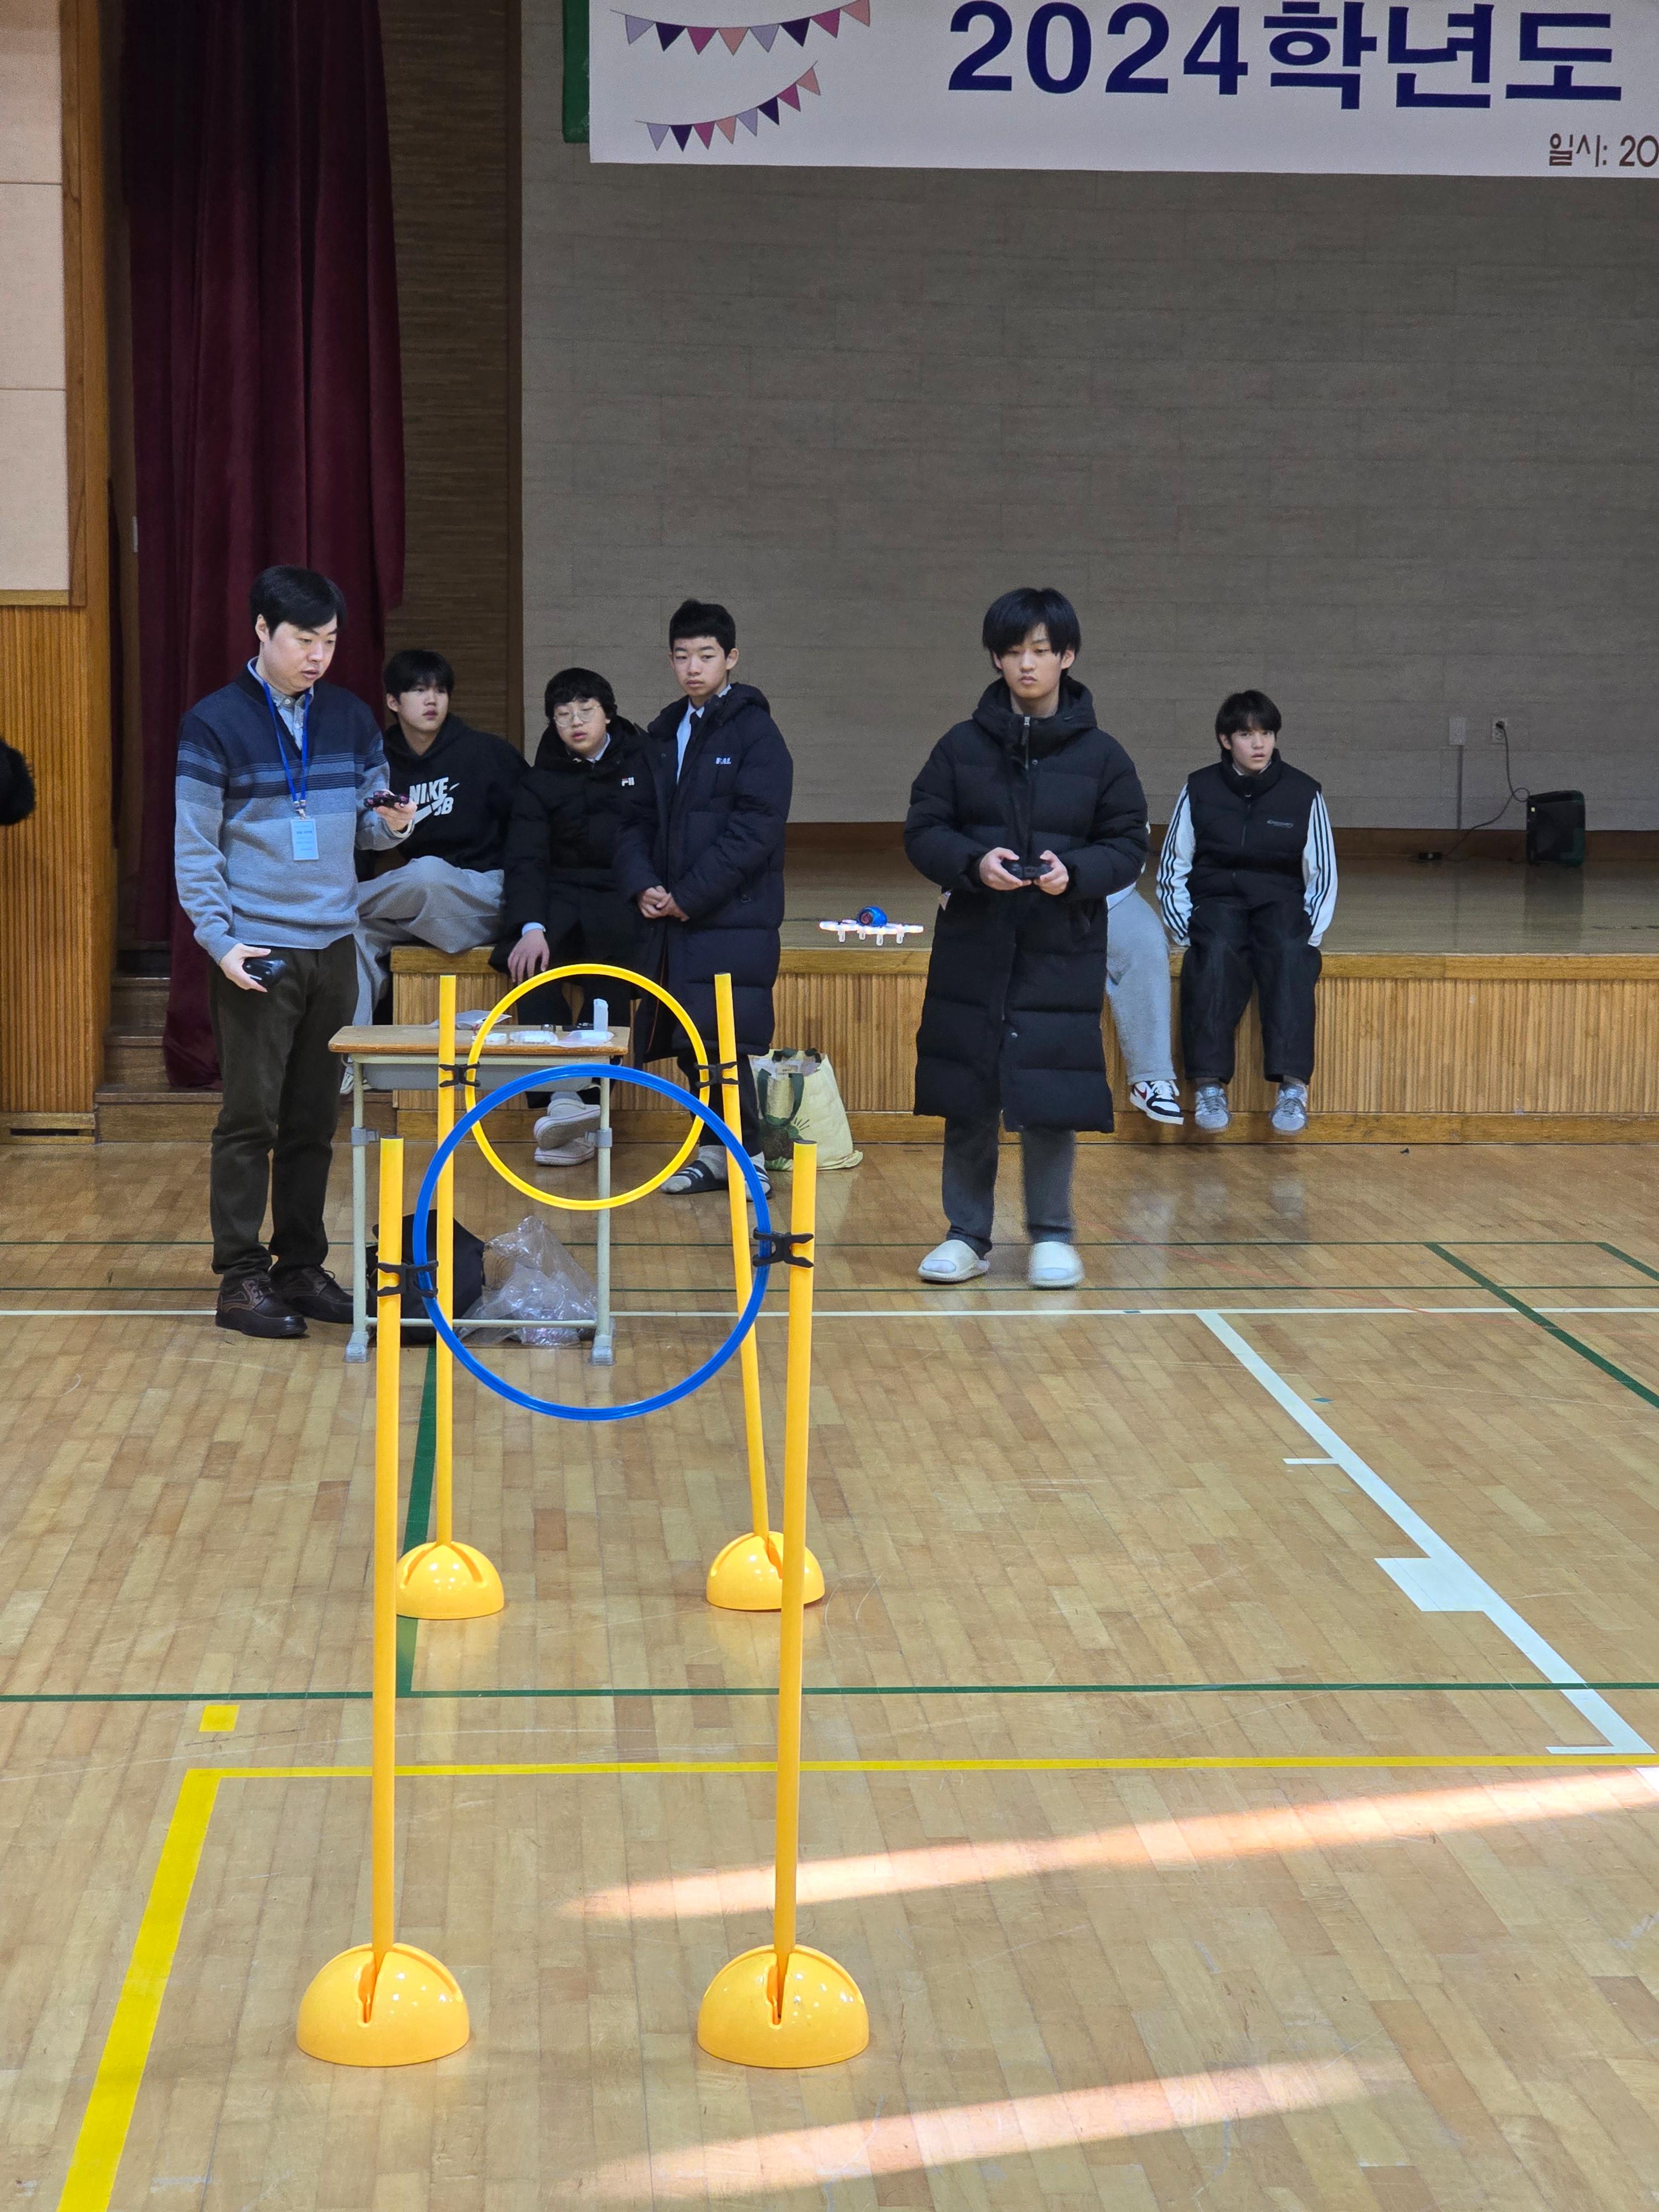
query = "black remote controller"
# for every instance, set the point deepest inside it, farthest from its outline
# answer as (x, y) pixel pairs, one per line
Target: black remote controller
(1027, 872)
(266, 968)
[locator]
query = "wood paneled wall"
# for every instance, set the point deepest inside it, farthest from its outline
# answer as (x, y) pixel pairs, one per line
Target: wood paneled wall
(56, 870)
(451, 101)
(1422, 1048)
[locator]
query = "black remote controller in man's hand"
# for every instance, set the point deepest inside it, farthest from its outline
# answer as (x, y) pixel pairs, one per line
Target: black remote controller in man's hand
(266, 968)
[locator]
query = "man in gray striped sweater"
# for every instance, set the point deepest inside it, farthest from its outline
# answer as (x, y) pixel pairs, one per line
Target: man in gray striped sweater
(277, 777)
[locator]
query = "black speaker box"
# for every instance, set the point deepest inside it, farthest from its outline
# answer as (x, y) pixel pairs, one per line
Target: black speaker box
(1555, 828)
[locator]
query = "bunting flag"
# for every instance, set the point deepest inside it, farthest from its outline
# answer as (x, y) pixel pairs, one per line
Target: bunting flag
(733, 36)
(750, 117)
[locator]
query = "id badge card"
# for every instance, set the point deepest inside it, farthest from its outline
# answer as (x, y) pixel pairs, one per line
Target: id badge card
(303, 832)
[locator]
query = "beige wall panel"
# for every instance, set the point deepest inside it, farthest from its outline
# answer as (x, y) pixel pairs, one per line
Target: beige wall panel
(1383, 446)
(31, 139)
(32, 285)
(34, 550)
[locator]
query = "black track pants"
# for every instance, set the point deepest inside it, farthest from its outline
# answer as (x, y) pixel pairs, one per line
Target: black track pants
(1235, 944)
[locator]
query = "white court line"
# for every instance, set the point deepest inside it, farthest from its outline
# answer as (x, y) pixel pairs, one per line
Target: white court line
(1442, 1581)
(904, 1313)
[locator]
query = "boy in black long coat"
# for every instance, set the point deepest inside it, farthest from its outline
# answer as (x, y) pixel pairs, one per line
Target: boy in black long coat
(702, 857)
(1027, 817)
(560, 904)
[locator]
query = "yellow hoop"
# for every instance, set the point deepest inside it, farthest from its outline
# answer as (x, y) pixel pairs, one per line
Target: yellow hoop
(552, 1198)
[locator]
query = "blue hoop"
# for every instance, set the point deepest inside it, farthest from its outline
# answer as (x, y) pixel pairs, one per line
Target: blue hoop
(593, 1072)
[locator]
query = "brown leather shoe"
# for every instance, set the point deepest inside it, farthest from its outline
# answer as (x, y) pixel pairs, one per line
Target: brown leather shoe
(248, 1302)
(315, 1292)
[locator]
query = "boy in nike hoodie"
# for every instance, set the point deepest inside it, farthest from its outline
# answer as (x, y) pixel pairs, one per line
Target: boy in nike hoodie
(444, 885)
(560, 903)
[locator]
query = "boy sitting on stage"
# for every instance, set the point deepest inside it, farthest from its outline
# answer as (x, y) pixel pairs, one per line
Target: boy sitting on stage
(1248, 883)
(443, 886)
(560, 903)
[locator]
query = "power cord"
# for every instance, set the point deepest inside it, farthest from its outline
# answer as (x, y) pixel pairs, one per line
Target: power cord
(1517, 797)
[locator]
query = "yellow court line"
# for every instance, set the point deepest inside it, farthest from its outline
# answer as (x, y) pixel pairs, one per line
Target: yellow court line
(1219, 1762)
(103, 2132)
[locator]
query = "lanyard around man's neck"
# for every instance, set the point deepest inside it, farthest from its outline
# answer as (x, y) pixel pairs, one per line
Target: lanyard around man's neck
(302, 705)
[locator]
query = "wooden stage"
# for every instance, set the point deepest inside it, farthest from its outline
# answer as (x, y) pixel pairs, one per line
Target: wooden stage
(1414, 1048)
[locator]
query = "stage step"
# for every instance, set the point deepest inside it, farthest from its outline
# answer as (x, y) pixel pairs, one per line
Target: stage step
(133, 1059)
(139, 1002)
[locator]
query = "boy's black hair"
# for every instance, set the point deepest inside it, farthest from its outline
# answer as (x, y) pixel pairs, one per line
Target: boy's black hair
(299, 596)
(571, 683)
(411, 670)
(1247, 710)
(1010, 620)
(702, 618)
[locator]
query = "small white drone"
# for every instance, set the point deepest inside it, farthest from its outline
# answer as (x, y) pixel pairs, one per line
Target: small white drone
(873, 923)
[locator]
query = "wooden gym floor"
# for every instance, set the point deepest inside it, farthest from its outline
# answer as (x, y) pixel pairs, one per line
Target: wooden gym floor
(1186, 1854)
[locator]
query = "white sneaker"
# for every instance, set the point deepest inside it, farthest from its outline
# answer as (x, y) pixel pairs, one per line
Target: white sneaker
(952, 1261)
(565, 1118)
(1053, 1267)
(1159, 1101)
(572, 1155)
(1210, 1109)
(1291, 1114)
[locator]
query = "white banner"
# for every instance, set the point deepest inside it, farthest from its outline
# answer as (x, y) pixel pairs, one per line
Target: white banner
(1488, 88)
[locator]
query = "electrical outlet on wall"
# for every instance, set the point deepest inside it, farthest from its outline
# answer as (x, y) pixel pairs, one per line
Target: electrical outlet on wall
(1500, 730)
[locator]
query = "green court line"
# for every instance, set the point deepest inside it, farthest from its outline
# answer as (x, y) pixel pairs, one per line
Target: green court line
(1561, 1336)
(1630, 1260)
(417, 1526)
(810, 1690)
(833, 1290)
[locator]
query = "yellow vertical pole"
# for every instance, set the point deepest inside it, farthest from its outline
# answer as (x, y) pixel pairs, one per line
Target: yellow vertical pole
(443, 1482)
(388, 1360)
(784, 2003)
(421, 2013)
(748, 1356)
(797, 1434)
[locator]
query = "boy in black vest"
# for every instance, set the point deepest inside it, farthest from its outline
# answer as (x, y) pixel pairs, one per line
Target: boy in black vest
(702, 858)
(560, 903)
(1247, 882)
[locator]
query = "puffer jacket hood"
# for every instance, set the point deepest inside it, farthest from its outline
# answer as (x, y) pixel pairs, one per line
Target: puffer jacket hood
(997, 716)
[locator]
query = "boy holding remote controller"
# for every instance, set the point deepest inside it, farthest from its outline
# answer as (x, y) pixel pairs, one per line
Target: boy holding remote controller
(1027, 817)
(278, 776)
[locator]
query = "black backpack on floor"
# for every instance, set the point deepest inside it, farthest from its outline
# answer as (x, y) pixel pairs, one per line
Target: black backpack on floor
(469, 1275)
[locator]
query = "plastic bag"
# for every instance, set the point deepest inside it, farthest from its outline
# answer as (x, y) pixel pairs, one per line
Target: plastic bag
(531, 1282)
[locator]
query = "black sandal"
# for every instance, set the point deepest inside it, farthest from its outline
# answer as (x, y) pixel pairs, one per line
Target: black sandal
(692, 1182)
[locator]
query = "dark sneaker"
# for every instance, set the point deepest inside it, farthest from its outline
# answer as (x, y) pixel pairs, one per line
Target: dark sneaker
(248, 1302)
(315, 1292)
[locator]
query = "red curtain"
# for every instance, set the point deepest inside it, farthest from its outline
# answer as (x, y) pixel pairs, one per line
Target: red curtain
(267, 396)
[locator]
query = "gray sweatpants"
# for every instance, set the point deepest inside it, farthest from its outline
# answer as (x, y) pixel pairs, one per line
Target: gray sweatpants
(1138, 989)
(426, 902)
(970, 1182)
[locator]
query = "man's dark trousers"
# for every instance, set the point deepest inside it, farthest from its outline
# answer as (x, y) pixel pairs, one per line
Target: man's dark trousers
(1259, 938)
(282, 1101)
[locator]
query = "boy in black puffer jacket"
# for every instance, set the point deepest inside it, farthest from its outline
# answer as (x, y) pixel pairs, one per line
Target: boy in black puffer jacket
(1247, 881)
(1029, 817)
(703, 860)
(560, 904)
